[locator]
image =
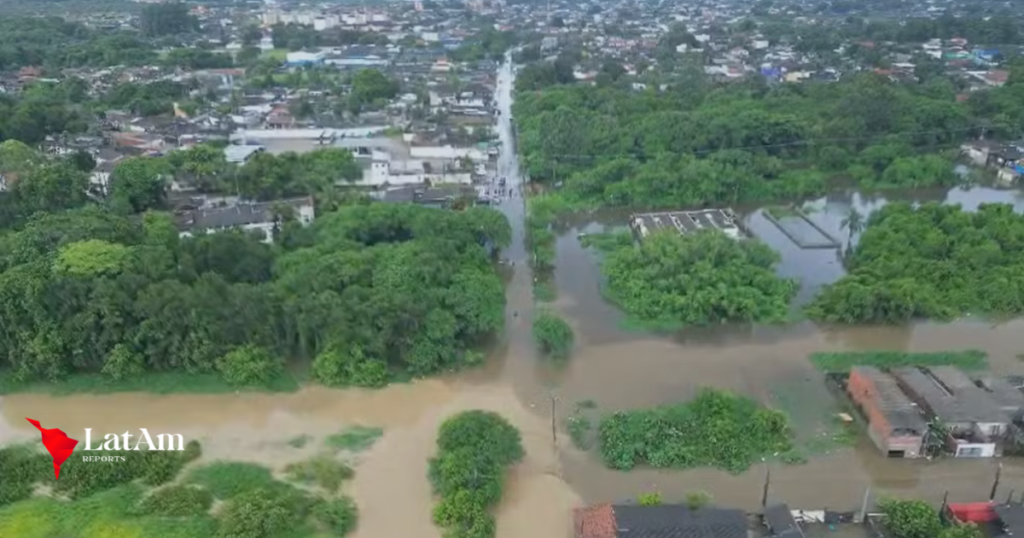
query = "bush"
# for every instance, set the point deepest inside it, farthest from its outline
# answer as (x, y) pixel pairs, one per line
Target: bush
(649, 499)
(354, 439)
(715, 429)
(154, 468)
(474, 448)
(553, 335)
(21, 467)
(264, 513)
(323, 470)
(910, 519)
(338, 515)
(338, 368)
(124, 363)
(226, 479)
(249, 366)
(176, 501)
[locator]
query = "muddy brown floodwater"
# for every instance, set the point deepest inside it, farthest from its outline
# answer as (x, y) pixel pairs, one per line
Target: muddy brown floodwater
(614, 368)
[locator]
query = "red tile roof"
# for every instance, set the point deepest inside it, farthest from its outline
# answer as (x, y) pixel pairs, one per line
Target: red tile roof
(596, 521)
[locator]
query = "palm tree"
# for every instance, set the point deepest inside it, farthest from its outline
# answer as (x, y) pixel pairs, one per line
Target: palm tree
(854, 224)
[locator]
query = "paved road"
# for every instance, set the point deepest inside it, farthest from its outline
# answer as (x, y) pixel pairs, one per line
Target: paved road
(519, 291)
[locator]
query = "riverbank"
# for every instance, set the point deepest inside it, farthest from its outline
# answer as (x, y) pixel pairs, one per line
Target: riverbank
(148, 382)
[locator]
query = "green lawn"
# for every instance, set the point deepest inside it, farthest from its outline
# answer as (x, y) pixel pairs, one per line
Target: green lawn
(842, 362)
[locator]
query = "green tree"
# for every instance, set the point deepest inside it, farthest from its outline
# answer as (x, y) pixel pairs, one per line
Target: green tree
(138, 184)
(91, 257)
(51, 187)
(124, 363)
(473, 450)
(910, 518)
(249, 365)
(553, 335)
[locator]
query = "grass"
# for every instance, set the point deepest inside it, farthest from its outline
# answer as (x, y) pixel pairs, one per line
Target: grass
(104, 515)
(354, 439)
(781, 212)
(299, 441)
(276, 54)
(152, 382)
(843, 361)
(323, 471)
(226, 479)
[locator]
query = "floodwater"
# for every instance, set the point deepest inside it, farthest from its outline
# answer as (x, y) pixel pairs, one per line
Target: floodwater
(615, 368)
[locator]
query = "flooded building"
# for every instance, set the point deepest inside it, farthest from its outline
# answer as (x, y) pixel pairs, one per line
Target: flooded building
(686, 222)
(967, 411)
(895, 423)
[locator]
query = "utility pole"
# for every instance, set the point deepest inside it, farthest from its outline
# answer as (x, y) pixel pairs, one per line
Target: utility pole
(864, 505)
(995, 483)
(554, 424)
(767, 485)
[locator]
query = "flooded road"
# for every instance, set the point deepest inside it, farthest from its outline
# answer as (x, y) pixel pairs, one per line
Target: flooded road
(611, 366)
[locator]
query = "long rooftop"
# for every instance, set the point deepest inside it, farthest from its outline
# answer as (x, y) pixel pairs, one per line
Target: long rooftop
(686, 222)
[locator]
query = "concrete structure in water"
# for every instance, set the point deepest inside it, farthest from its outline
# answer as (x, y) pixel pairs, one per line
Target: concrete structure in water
(895, 423)
(686, 222)
(899, 404)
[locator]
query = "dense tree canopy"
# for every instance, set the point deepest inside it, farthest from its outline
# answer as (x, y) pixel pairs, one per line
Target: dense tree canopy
(694, 143)
(697, 279)
(368, 291)
(935, 261)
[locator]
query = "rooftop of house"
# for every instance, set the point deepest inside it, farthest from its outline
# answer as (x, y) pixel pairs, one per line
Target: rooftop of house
(1012, 518)
(951, 395)
(900, 411)
(1004, 393)
(664, 521)
(240, 214)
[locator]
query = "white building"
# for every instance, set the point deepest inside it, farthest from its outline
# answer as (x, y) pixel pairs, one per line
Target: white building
(305, 58)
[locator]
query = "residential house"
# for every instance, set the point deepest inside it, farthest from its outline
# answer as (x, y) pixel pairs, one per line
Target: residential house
(895, 423)
(665, 521)
(261, 217)
(966, 410)
(280, 118)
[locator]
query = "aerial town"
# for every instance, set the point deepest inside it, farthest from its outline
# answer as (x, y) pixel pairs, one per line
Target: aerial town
(511, 269)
